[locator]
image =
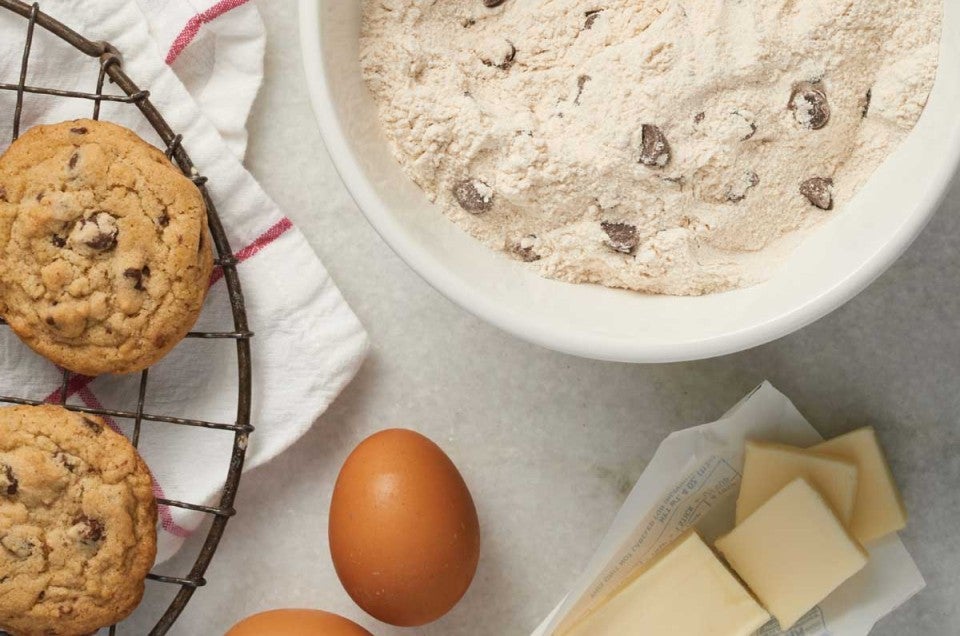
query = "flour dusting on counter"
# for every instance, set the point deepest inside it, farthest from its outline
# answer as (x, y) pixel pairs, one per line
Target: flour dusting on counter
(667, 146)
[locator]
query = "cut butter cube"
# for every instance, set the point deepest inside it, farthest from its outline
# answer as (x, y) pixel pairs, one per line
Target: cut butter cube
(768, 467)
(684, 591)
(792, 552)
(879, 509)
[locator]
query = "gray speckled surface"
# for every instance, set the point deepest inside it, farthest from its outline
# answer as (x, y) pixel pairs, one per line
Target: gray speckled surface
(549, 443)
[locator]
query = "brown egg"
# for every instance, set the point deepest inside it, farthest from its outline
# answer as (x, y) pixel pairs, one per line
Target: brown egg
(296, 622)
(404, 534)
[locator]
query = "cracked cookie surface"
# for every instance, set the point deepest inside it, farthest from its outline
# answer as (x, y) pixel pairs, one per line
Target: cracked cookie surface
(77, 523)
(104, 247)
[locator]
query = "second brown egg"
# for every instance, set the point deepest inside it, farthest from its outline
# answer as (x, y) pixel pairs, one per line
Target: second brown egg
(404, 533)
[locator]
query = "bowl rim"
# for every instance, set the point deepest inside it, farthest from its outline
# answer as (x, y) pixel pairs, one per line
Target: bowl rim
(579, 343)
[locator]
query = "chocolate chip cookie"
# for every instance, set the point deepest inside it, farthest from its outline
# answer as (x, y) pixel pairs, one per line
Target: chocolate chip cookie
(105, 253)
(77, 523)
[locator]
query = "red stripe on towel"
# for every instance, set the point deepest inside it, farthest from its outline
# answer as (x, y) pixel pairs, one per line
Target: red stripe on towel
(276, 231)
(76, 383)
(193, 26)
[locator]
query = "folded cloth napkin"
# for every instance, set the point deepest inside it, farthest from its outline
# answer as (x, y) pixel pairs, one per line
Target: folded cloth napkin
(216, 49)
(308, 344)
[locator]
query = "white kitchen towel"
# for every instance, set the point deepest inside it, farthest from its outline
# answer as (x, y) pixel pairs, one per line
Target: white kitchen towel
(216, 49)
(308, 344)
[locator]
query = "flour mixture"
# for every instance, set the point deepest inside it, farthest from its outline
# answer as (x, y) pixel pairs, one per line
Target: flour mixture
(668, 146)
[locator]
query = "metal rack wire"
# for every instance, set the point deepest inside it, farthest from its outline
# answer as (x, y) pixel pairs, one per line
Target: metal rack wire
(111, 67)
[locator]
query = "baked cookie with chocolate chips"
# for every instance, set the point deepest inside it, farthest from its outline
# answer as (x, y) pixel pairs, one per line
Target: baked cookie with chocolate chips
(77, 522)
(105, 253)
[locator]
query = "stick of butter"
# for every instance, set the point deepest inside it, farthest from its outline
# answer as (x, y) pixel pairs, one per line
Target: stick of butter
(684, 591)
(792, 552)
(768, 467)
(879, 509)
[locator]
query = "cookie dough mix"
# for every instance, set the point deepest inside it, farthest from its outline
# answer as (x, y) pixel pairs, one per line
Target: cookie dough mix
(667, 146)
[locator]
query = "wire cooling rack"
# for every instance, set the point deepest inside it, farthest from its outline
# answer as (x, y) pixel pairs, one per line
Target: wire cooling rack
(111, 67)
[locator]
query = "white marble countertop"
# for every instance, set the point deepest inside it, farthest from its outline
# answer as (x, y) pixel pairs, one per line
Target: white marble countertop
(548, 443)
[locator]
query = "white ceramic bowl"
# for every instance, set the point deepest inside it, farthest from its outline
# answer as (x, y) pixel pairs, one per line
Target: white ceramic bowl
(828, 269)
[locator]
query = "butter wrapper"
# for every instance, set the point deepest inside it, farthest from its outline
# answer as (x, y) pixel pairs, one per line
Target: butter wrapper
(693, 480)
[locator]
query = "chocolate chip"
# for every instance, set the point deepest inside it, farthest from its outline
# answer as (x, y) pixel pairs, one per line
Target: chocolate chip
(80, 130)
(581, 82)
(89, 530)
(738, 192)
(523, 249)
(73, 160)
(621, 237)
(136, 275)
(58, 241)
(492, 3)
(98, 232)
(50, 321)
(809, 104)
(3, 194)
(103, 242)
(473, 195)
(9, 481)
(145, 270)
(93, 425)
(654, 148)
(699, 117)
(865, 103)
(69, 461)
(591, 17)
(819, 192)
(163, 220)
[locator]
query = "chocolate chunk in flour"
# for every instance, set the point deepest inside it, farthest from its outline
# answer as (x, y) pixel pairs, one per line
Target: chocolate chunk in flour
(654, 148)
(621, 237)
(473, 195)
(525, 250)
(819, 192)
(590, 18)
(809, 104)
(737, 191)
(502, 59)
